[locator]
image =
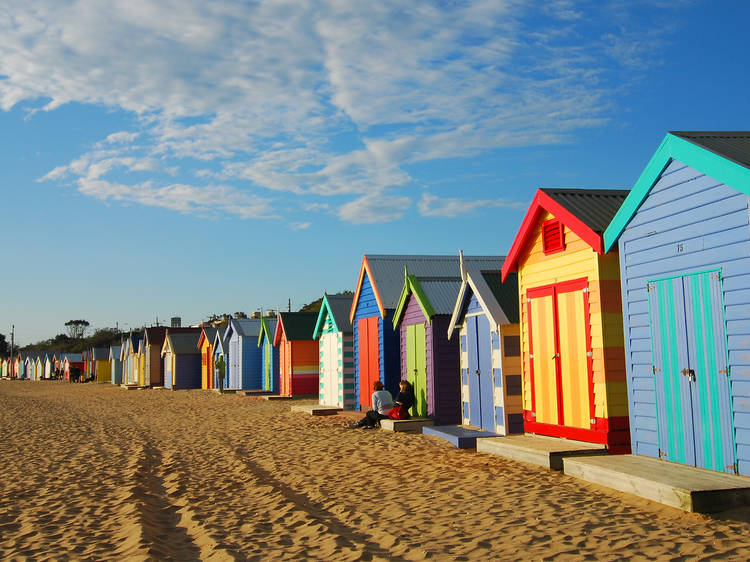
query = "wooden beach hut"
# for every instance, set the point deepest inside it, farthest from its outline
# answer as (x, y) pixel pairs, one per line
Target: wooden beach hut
(49, 365)
(206, 345)
(153, 364)
(269, 354)
(182, 359)
(70, 361)
(298, 353)
(115, 364)
(571, 318)
(4, 367)
(28, 367)
(485, 317)
(39, 367)
(684, 243)
(245, 357)
(220, 356)
(102, 367)
(333, 330)
(422, 316)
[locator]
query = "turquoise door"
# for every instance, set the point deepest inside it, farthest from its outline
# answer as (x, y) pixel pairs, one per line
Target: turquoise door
(694, 416)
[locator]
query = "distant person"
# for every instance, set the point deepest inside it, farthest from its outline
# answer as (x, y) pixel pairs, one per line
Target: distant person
(382, 403)
(220, 368)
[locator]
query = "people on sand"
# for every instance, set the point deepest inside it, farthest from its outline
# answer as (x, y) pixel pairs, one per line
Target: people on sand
(220, 367)
(404, 401)
(382, 402)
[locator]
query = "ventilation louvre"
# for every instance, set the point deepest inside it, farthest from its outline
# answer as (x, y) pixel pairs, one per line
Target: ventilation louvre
(553, 236)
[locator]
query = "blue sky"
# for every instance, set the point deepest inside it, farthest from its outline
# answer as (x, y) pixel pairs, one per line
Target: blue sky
(182, 157)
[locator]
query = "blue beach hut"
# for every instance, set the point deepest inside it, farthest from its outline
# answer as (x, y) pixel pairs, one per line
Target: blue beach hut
(245, 358)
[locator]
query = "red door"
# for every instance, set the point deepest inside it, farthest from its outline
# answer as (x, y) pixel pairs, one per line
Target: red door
(369, 353)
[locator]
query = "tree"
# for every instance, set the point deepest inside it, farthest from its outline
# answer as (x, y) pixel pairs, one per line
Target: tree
(77, 328)
(4, 347)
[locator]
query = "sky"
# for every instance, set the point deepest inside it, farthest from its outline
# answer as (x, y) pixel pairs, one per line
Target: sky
(185, 158)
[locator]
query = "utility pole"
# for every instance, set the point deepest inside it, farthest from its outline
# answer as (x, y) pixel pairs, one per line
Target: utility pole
(289, 306)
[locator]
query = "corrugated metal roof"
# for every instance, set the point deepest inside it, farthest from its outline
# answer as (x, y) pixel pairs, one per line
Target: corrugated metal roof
(246, 326)
(298, 325)
(340, 305)
(210, 333)
(114, 351)
(506, 294)
(388, 271)
(732, 145)
(101, 353)
(594, 207)
(441, 293)
(184, 343)
(72, 357)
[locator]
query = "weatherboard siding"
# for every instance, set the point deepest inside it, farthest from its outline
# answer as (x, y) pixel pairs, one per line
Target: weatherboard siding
(443, 357)
(689, 223)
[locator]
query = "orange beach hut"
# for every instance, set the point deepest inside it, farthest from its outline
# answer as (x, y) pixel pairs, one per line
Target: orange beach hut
(298, 353)
(572, 344)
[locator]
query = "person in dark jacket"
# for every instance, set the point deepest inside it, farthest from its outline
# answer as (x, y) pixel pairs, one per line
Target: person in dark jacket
(405, 397)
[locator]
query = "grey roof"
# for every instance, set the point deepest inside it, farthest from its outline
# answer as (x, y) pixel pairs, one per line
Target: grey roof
(72, 357)
(184, 343)
(340, 306)
(210, 333)
(595, 207)
(114, 352)
(506, 294)
(246, 327)
(388, 271)
(732, 145)
(441, 293)
(101, 354)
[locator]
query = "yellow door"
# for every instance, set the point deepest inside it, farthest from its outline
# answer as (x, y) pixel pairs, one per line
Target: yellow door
(543, 360)
(573, 359)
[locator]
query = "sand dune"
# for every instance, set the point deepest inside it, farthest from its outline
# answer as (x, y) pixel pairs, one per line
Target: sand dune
(96, 472)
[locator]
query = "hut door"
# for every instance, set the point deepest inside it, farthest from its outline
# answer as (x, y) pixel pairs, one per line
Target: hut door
(368, 358)
(416, 366)
(481, 388)
(267, 351)
(690, 371)
(329, 372)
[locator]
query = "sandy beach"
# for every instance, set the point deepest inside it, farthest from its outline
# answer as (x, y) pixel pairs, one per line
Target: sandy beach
(96, 472)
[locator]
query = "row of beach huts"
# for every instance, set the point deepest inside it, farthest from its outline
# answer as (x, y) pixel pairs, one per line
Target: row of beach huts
(618, 317)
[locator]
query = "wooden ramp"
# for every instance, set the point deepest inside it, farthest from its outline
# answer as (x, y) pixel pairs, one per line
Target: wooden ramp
(458, 435)
(413, 425)
(684, 487)
(316, 409)
(537, 449)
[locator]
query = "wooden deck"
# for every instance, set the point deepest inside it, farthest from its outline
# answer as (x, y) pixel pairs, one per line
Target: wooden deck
(316, 409)
(537, 449)
(684, 487)
(413, 425)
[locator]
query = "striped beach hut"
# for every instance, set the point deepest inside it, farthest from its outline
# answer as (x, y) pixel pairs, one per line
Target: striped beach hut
(269, 354)
(4, 367)
(206, 345)
(245, 357)
(115, 364)
(571, 318)
(39, 367)
(485, 317)
(333, 330)
(182, 360)
(49, 365)
(298, 353)
(422, 316)
(684, 243)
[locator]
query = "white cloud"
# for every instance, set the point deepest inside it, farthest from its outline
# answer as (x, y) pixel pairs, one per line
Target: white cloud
(450, 207)
(299, 225)
(374, 208)
(257, 95)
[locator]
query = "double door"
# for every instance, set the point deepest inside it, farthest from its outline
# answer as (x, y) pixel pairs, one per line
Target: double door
(416, 367)
(481, 386)
(691, 378)
(560, 354)
(330, 369)
(368, 358)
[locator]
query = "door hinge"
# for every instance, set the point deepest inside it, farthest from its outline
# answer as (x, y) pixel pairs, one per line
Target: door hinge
(655, 369)
(662, 454)
(733, 467)
(724, 371)
(589, 354)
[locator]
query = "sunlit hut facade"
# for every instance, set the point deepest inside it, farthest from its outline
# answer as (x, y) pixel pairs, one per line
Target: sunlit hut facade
(115, 364)
(571, 318)
(269, 354)
(336, 356)
(182, 359)
(206, 346)
(102, 367)
(684, 240)
(485, 319)
(298, 353)
(220, 357)
(245, 357)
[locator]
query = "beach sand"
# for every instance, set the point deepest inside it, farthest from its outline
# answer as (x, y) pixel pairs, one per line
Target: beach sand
(97, 472)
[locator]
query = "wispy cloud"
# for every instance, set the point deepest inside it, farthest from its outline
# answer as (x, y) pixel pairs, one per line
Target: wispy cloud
(257, 97)
(433, 206)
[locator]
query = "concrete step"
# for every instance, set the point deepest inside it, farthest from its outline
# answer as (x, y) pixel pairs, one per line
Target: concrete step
(316, 409)
(537, 449)
(413, 425)
(685, 487)
(459, 436)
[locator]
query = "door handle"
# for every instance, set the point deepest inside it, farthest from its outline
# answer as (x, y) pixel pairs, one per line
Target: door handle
(689, 373)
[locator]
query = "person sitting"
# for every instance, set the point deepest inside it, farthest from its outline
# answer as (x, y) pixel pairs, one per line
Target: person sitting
(404, 401)
(382, 402)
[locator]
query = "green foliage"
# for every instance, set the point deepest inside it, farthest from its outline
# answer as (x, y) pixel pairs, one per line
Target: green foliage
(77, 328)
(104, 337)
(315, 305)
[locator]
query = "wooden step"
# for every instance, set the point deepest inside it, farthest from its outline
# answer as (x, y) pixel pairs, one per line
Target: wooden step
(537, 449)
(413, 425)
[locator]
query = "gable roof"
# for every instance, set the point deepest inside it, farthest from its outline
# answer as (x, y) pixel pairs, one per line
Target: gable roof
(219, 344)
(724, 156)
(295, 326)
(337, 307)
(386, 275)
(208, 333)
(114, 352)
(267, 329)
(587, 212)
(244, 327)
(181, 342)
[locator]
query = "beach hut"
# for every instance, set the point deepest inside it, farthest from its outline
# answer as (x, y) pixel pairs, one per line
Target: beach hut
(298, 353)
(422, 316)
(153, 341)
(571, 318)
(182, 359)
(28, 367)
(269, 354)
(220, 357)
(4, 368)
(39, 367)
(684, 243)
(72, 361)
(101, 368)
(205, 345)
(131, 359)
(49, 365)
(333, 330)
(485, 317)
(115, 364)
(245, 358)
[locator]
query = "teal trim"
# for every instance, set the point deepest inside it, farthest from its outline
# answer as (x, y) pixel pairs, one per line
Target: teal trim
(653, 346)
(715, 435)
(671, 374)
(700, 314)
(324, 314)
(675, 148)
